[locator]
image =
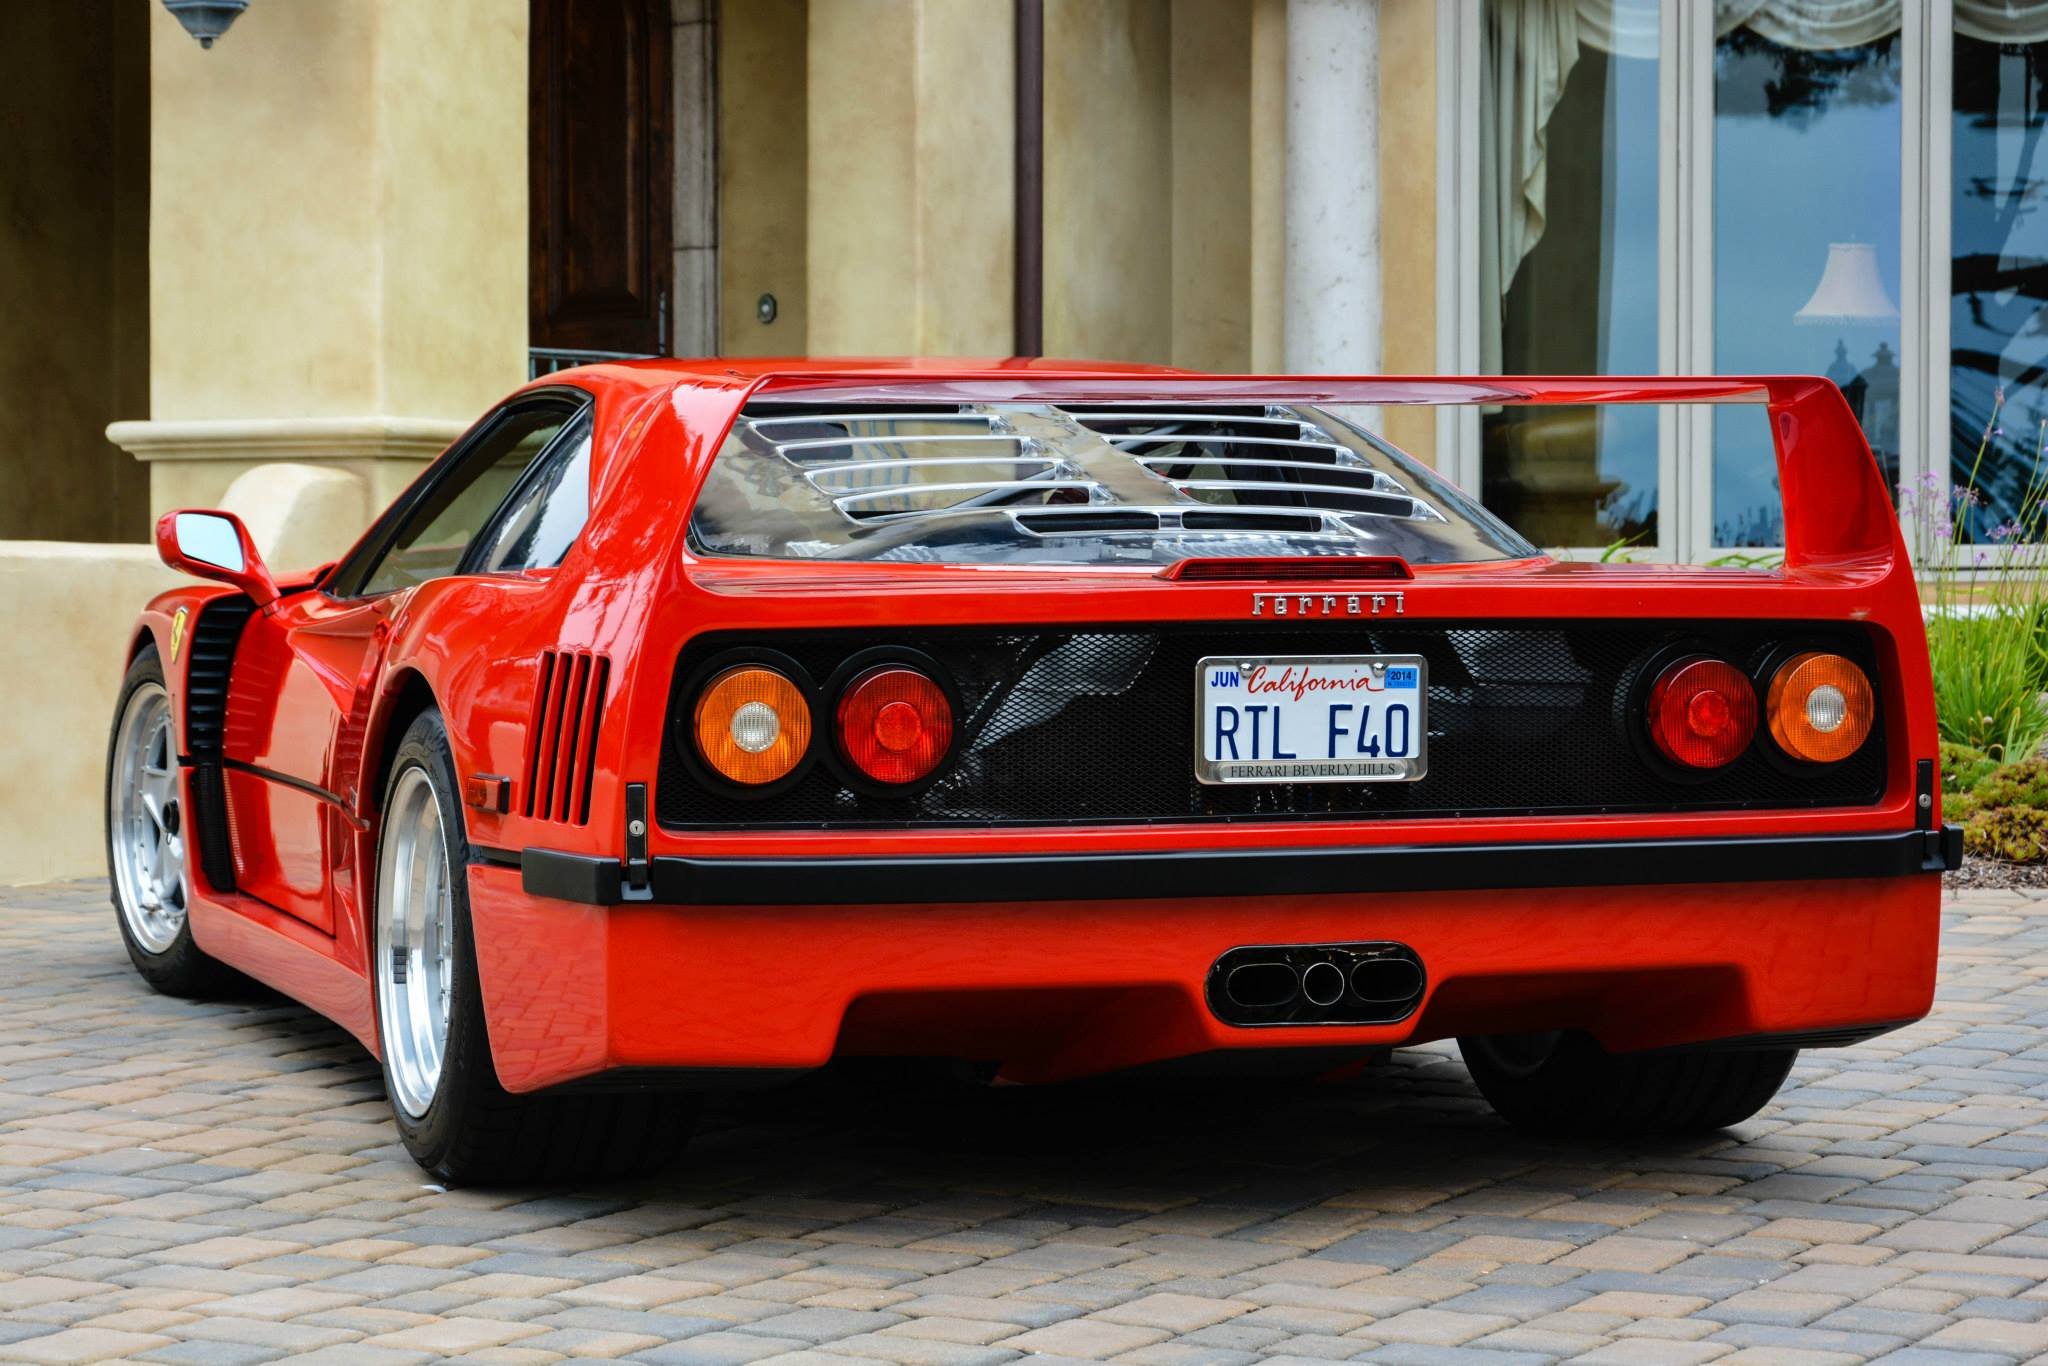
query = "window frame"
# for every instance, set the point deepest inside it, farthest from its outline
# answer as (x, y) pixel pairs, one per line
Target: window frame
(345, 582)
(1685, 255)
(472, 554)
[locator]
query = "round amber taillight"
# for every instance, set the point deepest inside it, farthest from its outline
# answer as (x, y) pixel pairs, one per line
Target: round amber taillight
(1821, 707)
(752, 725)
(895, 724)
(1702, 712)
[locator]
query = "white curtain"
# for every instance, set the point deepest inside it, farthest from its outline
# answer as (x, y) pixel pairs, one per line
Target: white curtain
(1527, 53)
(1815, 25)
(2002, 21)
(1530, 46)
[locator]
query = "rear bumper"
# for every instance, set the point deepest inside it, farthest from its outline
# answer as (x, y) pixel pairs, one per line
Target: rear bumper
(1840, 945)
(684, 881)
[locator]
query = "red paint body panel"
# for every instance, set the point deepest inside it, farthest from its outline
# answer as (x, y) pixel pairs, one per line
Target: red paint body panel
(321, 687)
(1063, 989)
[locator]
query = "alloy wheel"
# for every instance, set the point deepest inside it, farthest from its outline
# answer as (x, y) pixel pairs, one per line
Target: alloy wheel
(146, 819)
(415, 951)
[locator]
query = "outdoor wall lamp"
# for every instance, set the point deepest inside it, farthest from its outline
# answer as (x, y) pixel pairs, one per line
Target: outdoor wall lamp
(206, 20)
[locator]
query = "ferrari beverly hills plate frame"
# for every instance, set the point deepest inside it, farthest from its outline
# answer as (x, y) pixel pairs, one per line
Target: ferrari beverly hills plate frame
(1370, 768)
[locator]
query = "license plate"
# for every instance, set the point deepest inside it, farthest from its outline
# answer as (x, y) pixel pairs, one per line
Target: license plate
(1311, 719)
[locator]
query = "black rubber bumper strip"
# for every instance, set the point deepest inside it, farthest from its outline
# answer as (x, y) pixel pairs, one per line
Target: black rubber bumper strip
(679, 881)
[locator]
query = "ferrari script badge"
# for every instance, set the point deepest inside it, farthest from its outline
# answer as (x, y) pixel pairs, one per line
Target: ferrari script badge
(1329, 604)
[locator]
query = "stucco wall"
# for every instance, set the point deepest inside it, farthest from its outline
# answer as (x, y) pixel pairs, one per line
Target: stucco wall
(910, 186)
(1408, 210)
(762, 161)
(74, 339)
(1209, 96)
(338, 222)
(1108, 180)
(65, 613)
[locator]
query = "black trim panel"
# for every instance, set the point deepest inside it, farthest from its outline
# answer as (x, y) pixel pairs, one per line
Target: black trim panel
(682, 881)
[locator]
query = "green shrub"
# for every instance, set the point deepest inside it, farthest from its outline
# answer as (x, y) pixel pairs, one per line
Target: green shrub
(1988, 679)
(2016, 834)
(1963, 767)
(1987, 590)
(2021, 784)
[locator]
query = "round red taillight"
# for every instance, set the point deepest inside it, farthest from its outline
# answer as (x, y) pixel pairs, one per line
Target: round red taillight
(895, 724)
(1702, 712)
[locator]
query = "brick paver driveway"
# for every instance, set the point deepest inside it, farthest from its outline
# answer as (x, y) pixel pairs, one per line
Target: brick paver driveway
(221, 1183)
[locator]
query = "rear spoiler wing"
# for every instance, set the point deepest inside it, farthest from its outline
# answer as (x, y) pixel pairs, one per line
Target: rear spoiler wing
(1839, 513)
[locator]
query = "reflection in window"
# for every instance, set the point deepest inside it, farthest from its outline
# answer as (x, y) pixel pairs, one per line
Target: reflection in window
(436, 534)
(1568, 250)
(1806, 231)
(1998, 330)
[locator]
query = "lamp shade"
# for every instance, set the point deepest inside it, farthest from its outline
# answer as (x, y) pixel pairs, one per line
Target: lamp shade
(206, 20)
(1850, 289)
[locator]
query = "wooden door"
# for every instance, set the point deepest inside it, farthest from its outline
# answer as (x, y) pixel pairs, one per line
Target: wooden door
(600, 167)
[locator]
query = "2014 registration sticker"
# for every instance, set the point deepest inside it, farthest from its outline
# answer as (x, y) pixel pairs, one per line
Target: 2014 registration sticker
(1311, 719)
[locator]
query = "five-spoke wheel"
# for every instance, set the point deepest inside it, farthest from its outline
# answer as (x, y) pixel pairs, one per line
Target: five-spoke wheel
(458, 1121)
(147, 836)
(415, 955)
(148, 839)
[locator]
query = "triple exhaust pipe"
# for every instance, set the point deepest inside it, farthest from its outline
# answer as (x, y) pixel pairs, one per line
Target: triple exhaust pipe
(1316, 984)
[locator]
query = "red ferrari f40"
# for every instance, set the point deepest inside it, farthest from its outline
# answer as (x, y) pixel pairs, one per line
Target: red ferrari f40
(690, 724)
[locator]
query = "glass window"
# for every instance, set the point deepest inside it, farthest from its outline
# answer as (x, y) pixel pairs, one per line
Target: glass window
(1806, 237)
(1998, 331)
(547, 511)
(1136, 482)
(1568, 250)
(431, 542)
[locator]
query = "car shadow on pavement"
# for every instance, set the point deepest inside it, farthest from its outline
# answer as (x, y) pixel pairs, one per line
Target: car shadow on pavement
(1130, 1142)
(906, 1130)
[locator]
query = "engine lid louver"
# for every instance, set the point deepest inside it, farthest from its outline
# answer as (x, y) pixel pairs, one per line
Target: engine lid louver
(561, 743)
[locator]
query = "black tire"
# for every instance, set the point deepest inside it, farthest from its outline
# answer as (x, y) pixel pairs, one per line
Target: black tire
(181, 968)
(475, 1132)
(1567, 1085)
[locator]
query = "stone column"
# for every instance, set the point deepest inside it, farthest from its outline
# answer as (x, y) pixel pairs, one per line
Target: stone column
(338, 250)
(909, 236)
(1332, 319)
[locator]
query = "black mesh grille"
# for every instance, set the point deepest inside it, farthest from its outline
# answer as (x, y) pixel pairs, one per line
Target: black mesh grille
(1090, 726)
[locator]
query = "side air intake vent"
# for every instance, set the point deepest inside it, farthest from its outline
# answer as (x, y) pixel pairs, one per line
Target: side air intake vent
(215, 637)
(561, 738)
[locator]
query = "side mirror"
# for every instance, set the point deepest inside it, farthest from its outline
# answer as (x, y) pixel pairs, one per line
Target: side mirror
(215, 545)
